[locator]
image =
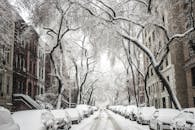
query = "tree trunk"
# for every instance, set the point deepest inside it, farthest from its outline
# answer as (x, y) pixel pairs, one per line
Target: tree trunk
(134, 84)
(145, 87)
(168, 88)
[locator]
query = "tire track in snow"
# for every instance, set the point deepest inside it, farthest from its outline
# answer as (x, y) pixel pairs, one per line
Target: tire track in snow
(89, 124)
(114, 122)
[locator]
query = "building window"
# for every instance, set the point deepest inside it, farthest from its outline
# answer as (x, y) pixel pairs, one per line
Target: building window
(30, 67)
(20, 62)
(34, 68)
(192, 47)
(8, 84)
(156, 103)
(194, 101)
(24, 88)
(8, 58)
(29, 89)
(149, 40)
(1, 84)
(16, 61)
(24, 65)
(41, 90)
(193, 76)
(164, 102)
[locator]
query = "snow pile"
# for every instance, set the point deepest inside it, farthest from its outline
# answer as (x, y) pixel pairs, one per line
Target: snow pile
(6, 121)
(33, 119)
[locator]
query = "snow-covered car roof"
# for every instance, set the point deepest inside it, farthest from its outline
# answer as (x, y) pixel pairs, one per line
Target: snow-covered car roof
(147, 109)
(166, 115)
(73, 112)
(130, 108)
(61, 114)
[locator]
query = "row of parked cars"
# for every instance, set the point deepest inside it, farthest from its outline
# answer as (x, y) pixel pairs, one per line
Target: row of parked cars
(44, 119)
(158, 119)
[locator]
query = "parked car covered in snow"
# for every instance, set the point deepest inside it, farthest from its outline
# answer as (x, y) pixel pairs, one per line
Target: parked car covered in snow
(6, 120)
(161, 119)
(62, 119)
(74, 115)
(133, 114)
(119, 109)
(122, 110)
(185, 120)
(34, 120)
(94, 108)
(145, 114)
(83, 108)
(129, 111)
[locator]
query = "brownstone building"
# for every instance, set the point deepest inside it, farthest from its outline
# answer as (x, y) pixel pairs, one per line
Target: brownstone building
(20, 58)
(32, 57)
(25, 59)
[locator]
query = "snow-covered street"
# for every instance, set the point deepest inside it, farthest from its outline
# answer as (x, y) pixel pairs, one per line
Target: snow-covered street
(107, 120)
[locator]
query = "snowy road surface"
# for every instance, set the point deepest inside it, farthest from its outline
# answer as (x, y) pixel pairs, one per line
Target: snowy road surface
(107, 120)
